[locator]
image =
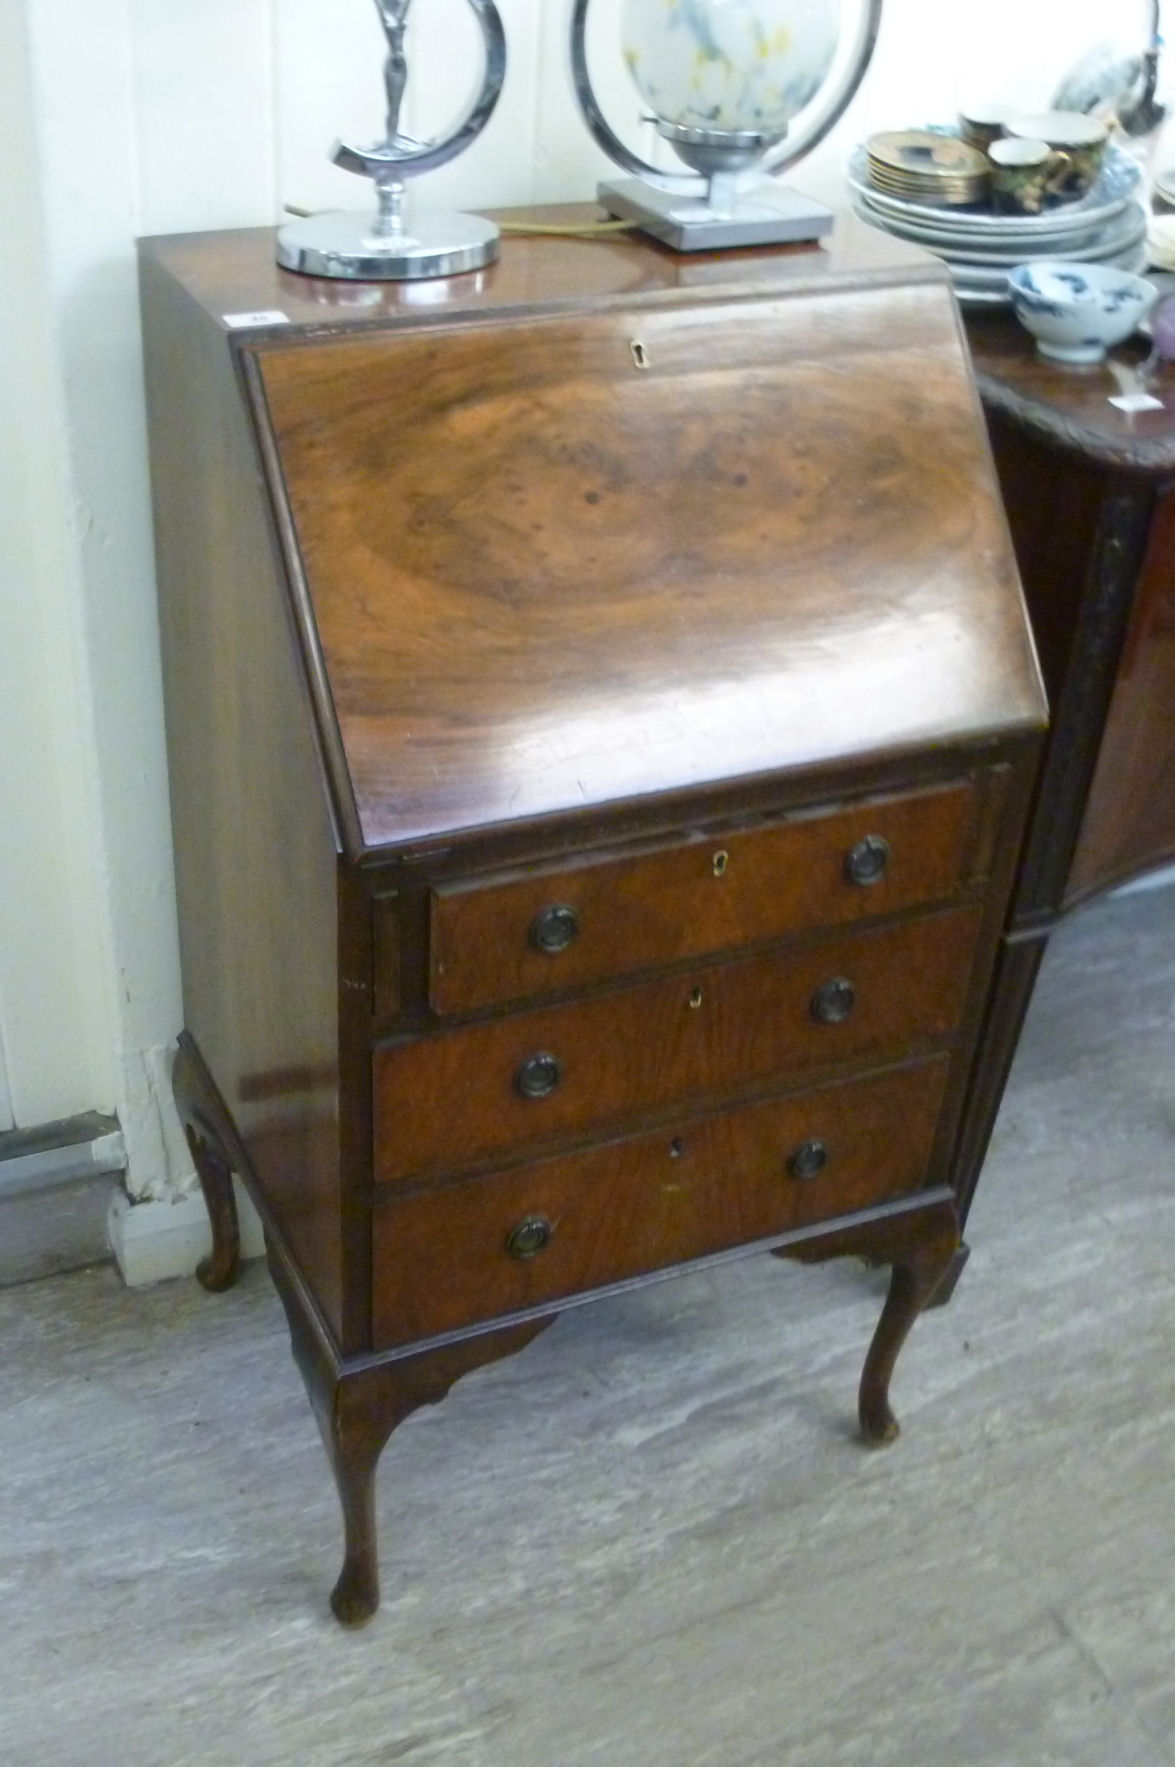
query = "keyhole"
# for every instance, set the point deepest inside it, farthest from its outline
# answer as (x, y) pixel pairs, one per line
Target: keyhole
(695, 998)
(640, 355)
(676, 1148)
(721, 861)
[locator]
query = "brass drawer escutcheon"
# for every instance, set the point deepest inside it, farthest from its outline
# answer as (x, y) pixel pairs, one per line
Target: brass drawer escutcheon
(834, 1000)
(809, 1158)
(538, 1076)
(867, 860)
(532, 1235)
(553, 929)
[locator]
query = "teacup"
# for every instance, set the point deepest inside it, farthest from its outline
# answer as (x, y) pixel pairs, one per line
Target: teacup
(1026, 176)
(981, 124)
(1083, 139)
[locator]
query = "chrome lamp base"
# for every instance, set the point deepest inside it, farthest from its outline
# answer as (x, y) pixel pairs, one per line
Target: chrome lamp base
(765, 215)
(351, 248)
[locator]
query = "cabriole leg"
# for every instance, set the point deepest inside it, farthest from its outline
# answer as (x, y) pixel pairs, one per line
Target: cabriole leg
(921, 1245)
(914, 1280)
(364, 1410)
(358, 1408)
(355, 1442)
(219, 1270)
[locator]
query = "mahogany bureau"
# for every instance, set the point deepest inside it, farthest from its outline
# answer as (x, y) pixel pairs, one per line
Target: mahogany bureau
(601, 716)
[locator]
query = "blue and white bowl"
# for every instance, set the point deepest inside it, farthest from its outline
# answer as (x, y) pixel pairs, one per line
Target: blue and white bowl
(1076, 312)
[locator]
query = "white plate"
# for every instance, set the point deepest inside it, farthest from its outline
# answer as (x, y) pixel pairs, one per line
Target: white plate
(947, 238)
(1165, 184)
(1109, 196)
(1087, 243)
(981, 291)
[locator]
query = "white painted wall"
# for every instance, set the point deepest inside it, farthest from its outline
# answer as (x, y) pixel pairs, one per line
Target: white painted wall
(151, 116)
(6, 1117)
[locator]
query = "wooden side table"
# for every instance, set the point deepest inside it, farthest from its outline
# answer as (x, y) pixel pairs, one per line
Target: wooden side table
(601, 717)
(1090, 497)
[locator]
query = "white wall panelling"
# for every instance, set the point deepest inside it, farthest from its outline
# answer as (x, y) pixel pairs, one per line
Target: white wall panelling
(151, 116)
(54, 929)
(203, 80)
(6, 1117)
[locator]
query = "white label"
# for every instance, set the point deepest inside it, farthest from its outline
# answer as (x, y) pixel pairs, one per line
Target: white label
(1136, 402)
(236, 321)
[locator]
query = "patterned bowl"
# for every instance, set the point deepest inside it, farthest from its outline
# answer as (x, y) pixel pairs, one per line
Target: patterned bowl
(1076, 312)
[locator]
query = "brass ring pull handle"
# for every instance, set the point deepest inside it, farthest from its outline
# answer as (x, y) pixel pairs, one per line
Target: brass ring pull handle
(809, 1158)
(554, 928)
(833, 1001)
(532, 1235)
(538, 1076)
(866, 862)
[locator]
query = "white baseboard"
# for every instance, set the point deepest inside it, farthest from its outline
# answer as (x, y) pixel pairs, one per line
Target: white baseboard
(153, 1241)
(71, 1163)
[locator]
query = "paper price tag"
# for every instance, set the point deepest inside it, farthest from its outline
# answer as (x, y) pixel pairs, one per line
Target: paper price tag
(243, 321)
(1136, 402)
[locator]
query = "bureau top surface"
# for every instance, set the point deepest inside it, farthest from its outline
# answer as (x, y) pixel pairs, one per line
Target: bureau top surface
(581, 549)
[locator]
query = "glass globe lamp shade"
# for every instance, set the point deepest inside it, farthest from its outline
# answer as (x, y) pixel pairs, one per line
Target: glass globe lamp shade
(729, 66)
(726, 81)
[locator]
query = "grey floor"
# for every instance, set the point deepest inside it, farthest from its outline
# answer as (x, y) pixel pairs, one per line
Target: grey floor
(652, 1539)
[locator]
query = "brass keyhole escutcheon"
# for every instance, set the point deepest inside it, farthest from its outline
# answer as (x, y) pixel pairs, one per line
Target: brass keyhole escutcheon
(532, 1235)
(640, 355)
(695, 998)
(720, 861)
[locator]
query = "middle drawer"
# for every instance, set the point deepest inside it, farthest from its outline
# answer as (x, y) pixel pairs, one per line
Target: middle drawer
(450, 1100)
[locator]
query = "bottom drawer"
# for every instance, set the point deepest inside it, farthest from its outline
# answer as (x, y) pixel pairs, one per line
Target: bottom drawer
(459, 1254)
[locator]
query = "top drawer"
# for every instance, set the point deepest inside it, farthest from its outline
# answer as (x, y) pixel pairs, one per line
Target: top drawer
(530, 933)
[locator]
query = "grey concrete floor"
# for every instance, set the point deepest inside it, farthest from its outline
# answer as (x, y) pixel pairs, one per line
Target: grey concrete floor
(653, 1538)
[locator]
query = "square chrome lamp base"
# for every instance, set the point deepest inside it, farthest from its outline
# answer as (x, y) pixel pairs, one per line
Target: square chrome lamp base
(766, 215)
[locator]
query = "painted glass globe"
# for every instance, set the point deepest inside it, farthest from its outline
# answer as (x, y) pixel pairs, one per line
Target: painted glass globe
(728, 66)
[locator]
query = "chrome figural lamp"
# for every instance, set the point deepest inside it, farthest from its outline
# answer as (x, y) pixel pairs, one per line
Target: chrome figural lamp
(388, 245)
(724, 80)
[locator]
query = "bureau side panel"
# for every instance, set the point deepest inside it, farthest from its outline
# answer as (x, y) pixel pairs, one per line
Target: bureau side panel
(255, 851)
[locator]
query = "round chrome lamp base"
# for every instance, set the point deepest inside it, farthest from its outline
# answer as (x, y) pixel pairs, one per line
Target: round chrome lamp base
(349, 247)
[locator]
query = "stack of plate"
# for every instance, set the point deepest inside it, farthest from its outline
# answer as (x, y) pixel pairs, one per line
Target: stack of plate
(1107, 226)
(1165, 185)
(926, 166)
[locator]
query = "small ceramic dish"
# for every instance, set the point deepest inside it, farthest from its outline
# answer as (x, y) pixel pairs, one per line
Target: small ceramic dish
(1076, 312)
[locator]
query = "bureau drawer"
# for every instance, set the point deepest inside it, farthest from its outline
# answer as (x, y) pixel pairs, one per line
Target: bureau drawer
(449, 1100)
(468, 1252)
(512, 937)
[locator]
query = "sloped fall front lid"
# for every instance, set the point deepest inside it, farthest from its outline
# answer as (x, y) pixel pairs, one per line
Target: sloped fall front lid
(558, 562)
